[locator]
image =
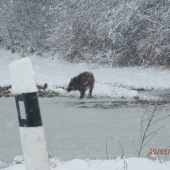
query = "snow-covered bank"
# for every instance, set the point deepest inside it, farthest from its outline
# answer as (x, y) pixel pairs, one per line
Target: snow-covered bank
(116, 164)
(109, 82)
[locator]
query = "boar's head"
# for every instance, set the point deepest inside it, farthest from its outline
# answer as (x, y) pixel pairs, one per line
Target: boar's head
(71, 86)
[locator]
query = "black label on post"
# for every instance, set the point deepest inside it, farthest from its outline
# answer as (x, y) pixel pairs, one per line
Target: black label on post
(28, 110)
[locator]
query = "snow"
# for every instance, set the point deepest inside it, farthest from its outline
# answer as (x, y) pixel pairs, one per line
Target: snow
(116, 164)
(109, 82)
(22, 76)
(34, 148)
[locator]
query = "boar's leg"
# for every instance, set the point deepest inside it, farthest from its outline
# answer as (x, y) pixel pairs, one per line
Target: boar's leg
(90, 91)
(82, 94)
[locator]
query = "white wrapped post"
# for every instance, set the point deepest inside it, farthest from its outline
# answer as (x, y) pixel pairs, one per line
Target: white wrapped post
(22, 76)
(31, 130)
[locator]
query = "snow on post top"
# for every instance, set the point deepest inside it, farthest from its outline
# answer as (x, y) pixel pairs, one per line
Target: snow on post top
(22, 76)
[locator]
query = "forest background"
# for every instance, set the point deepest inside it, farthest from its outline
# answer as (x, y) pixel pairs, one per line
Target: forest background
(105, 32)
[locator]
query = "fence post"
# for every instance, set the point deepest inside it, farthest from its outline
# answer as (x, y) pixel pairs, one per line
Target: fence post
(30, 123)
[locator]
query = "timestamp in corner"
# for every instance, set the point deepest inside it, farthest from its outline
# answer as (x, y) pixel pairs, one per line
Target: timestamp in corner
(159, 151)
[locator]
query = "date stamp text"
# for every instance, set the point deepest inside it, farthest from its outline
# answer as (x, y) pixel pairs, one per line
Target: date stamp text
(159, 151)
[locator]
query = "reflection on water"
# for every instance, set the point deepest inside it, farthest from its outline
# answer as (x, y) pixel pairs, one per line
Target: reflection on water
(82, 128)
(104, 104)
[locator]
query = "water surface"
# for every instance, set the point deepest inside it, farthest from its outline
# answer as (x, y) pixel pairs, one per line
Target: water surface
(82, 128)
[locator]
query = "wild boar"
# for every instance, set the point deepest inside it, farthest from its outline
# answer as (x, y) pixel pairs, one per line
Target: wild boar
(82, 82)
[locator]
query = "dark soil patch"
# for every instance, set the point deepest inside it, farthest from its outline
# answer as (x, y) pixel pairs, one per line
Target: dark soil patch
(42, 91)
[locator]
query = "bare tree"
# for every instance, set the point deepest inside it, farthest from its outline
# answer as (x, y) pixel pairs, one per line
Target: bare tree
(125, 166)
(146, 122)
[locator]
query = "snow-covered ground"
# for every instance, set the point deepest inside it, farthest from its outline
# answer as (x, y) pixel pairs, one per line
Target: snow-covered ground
(116, 164)
(109, 82)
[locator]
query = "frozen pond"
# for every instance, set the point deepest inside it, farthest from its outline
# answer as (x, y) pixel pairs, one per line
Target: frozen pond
(82, 128)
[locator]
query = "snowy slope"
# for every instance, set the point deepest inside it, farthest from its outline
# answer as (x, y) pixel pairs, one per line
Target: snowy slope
(117, 164)
(109, 82)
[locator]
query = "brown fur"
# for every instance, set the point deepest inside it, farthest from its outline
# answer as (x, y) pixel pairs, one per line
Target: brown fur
(82, 82)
